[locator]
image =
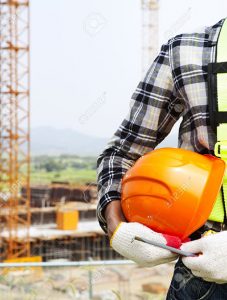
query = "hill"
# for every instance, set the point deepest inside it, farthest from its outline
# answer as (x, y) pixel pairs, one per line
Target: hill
(52, 141)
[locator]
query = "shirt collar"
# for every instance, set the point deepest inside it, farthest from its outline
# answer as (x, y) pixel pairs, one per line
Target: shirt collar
(213, 32)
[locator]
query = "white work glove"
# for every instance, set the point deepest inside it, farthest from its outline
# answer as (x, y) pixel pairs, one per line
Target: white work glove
(142, 253)
(211, 264)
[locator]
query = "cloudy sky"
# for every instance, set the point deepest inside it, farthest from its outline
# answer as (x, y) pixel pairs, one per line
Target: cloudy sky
(86, 57)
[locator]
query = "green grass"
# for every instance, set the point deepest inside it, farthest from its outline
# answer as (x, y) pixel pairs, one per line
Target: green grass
(71, 168)
(78, 176)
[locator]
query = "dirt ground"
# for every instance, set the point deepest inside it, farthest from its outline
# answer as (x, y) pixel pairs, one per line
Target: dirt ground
(103, 283)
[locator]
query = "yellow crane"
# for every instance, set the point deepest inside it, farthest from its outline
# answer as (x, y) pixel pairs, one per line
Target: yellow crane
(15, 124)
(150, 9)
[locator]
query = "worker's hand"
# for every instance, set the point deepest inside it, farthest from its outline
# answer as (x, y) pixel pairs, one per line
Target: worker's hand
(211, 263)
(113, 215)
(144, 254)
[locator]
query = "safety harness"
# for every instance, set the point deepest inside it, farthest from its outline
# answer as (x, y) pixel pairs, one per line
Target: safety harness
(217, 98)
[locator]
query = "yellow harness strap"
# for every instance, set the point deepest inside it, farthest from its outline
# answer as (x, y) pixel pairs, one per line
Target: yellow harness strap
(217, 82)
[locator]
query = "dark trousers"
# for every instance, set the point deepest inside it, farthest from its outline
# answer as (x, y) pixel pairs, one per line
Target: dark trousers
(186, 286)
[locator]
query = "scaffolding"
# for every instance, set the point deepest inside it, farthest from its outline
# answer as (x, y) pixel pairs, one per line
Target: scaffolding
(15, 121)
(77, 245)
(149, 32)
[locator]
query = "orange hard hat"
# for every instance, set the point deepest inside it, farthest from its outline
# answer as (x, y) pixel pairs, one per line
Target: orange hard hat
(172, 190)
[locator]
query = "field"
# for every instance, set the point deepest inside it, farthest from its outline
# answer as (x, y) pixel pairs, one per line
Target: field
(73, 169)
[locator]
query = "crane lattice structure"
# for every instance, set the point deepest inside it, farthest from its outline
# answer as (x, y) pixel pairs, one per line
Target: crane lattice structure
(15, 123)
(150, 21)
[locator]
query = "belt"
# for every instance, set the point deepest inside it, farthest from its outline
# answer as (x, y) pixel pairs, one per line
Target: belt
(216, 226)
(209, 225)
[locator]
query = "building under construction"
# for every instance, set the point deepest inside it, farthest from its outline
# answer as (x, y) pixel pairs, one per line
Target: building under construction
(77, 237)
(42, 220)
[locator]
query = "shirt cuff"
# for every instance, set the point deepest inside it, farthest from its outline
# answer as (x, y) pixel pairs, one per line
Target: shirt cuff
(104, 200)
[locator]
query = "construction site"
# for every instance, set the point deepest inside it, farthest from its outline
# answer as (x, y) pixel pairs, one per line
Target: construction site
(56, 221)
(62, 225)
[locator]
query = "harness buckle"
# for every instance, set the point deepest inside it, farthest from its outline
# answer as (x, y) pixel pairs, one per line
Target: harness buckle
(223, 226)
(220, 149)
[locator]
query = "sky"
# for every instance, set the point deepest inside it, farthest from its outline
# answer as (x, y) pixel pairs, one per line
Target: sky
(86, 57)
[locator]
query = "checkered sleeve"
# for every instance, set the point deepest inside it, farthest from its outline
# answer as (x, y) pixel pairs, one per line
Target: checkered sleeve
(151, 116)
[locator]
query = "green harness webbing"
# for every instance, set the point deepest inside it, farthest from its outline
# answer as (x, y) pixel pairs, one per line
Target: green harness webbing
(217, 83)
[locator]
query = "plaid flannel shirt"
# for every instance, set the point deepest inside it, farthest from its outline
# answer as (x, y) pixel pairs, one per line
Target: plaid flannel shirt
(175, 86)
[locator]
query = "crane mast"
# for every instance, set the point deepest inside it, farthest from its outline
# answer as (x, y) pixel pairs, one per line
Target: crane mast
(150, 10)
(15, 124)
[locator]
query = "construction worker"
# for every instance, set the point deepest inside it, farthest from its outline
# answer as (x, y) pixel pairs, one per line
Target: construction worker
(175, 86)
